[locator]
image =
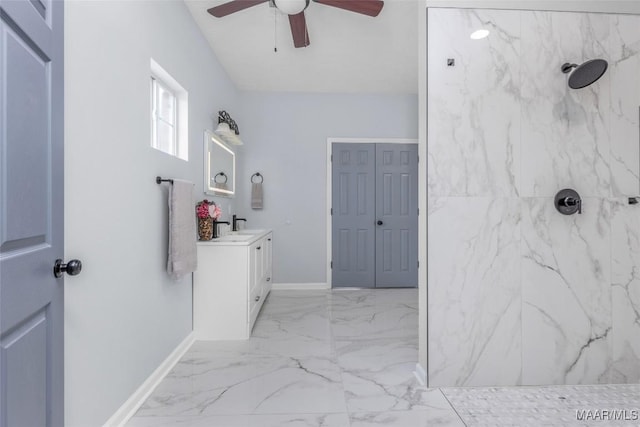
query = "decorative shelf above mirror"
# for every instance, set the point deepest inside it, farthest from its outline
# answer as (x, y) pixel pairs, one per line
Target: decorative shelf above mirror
(219, 167)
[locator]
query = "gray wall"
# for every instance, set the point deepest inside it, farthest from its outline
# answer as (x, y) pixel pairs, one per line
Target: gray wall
(286, 141)
(124, 315)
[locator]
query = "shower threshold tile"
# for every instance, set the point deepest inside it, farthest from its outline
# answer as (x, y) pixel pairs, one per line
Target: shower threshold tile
(545, 405)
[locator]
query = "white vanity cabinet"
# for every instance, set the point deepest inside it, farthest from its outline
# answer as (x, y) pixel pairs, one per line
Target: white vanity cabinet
(232, 281)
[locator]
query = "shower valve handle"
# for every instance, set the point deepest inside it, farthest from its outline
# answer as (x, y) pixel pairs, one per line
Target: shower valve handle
(568, 202)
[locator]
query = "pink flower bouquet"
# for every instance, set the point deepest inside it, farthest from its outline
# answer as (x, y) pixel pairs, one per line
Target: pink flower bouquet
(214, 211)
(207, 209)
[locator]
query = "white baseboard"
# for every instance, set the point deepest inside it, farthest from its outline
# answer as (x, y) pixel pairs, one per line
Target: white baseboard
(420, 374)
(300, 286)
(129, 408)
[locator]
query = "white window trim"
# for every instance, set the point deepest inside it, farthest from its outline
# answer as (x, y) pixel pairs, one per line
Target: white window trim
(181, 127)
(156, 85)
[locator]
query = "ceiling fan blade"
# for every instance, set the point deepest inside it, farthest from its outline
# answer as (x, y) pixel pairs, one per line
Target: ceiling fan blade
(365, 7)
(299, 30)
(233, 7)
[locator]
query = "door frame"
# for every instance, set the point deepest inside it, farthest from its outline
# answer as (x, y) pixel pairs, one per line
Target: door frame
(422, 199)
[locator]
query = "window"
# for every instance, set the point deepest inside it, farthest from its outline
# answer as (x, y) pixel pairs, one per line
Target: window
(169, 106)
(164, 117)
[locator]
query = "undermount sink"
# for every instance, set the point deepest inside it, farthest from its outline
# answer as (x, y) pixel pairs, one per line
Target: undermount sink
(247, 232)
(240, 237)
(234, 238)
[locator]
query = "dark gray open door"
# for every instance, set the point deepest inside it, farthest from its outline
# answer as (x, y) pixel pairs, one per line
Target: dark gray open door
(374, 215)
(31, 212)
(397, 215)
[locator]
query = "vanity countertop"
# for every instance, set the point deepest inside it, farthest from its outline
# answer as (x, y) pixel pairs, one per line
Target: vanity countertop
(237, 238)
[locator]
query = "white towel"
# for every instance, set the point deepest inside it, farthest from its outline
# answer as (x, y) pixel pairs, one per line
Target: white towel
(182, 230)
(256, 195)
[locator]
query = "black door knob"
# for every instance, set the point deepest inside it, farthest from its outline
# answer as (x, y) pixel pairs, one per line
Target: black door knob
(380, 222)
(72, 268)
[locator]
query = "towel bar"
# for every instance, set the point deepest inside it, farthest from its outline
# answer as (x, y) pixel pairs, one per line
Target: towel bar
(160, 180)
(257, 174)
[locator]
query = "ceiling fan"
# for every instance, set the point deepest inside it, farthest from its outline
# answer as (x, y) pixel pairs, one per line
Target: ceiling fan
(295, 9)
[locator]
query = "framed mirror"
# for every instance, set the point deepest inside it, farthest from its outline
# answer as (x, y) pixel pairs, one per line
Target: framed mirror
(219, 167)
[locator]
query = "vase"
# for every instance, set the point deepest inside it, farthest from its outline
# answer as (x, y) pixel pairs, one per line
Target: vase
(205, 228)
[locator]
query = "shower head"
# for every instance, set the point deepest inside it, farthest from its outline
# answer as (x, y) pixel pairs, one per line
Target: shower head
(586, 73)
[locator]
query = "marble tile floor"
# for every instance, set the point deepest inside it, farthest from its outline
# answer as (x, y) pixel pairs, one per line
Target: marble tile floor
(345, 358)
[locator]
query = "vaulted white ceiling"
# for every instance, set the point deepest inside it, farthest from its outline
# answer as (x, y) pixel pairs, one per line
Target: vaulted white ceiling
(349, 52)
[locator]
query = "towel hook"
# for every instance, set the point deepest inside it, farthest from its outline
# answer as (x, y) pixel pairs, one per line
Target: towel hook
(257, 174)
(223, 175)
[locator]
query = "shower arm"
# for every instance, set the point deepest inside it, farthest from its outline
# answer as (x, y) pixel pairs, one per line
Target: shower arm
(566, 67)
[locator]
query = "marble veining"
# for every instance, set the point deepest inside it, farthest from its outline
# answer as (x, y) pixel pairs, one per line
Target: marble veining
(367, 381)
(474, 293)
(314, 358)
(566, 295)
(479, 154)
(625, 256)
(624, 45)
(554, 298)
(565, 132)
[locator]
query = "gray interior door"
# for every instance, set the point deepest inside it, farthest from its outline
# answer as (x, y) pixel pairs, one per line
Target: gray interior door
(396, 215)
(353, 230)
(31, 212)
(374, 215)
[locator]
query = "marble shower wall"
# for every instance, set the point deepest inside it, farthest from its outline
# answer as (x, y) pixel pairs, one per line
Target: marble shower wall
(518, 293)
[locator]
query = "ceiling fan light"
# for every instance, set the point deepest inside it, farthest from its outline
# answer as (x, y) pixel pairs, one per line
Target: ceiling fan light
(291, 7)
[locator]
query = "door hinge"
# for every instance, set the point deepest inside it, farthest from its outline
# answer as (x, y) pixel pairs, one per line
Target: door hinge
(418, 211)
(331, 265)
(418, 264)
(331, 158)
(331, 211)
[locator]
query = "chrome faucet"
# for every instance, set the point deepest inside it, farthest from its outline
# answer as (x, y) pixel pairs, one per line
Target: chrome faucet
(234, 220)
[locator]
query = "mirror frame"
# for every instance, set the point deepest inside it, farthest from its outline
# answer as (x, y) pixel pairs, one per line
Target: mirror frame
(209, 136)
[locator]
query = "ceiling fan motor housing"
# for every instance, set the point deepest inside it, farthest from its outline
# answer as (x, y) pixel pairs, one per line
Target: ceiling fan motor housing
(291, 7)
(295, 9)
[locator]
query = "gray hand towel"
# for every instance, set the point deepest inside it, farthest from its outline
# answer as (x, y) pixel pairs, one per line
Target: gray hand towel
(182, 230)
(256, 195)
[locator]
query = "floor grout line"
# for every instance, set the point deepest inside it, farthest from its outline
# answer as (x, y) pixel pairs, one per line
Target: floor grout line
(453, 407)
(353, 351)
